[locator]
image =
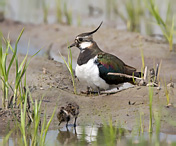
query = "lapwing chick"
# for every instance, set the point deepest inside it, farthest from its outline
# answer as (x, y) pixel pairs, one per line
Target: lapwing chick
(93, 65)
(67, 113)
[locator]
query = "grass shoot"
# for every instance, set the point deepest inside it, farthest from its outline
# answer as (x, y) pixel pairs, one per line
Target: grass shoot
(70, 68)
(150, 108)
(37, 126)
(143, 62)
(59, 11)
(141, 122)
(45, 7)
(23, 119)
(110, 133)
(5, 70)
(68, 14)
(167, 94)
(167, 29)
(157, 117)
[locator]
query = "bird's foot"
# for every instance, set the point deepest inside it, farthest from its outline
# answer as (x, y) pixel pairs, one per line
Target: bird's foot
(90, 92)
(85, 92)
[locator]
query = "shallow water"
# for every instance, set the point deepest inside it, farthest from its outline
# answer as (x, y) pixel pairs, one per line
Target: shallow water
(96, 135)
(31, 50)
(93, 134)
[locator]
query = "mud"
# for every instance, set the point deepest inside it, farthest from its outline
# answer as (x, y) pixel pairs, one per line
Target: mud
(51, 80)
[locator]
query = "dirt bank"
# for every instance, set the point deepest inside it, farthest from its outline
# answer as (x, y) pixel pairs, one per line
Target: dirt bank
(51, 79)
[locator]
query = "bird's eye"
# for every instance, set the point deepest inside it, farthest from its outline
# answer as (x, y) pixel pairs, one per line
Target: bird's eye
(80, 39)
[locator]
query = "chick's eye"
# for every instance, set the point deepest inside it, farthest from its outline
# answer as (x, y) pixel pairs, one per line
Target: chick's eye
(80, 39)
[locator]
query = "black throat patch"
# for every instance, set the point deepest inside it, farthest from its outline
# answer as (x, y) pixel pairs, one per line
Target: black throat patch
(88, 53)
(85, 56)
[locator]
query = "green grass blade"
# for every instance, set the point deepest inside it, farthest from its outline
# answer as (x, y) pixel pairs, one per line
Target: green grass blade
(156, 14)
(43, 128)
(32, 57)
(48, 124)
(2, 64)
(14, 53)
(142, 58)
(5, 83)
(16, 62)
(22, 72)
(150, 108)
(65, 62)
(22, 63)
(5, 59)
(8, 136)
(168, 14)
(23, 119)
(172, 27)
(20, 75)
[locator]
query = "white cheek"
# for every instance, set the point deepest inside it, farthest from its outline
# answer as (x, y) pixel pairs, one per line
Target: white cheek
(84, 45)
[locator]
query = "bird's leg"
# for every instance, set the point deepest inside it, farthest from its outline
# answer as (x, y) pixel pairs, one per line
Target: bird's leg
(75, 122)
(75, 130)
(67, 129)
(99, 92)
(67, 124)
(87, 91)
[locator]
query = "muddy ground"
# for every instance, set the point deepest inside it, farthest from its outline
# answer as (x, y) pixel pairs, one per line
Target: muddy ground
(51, 79)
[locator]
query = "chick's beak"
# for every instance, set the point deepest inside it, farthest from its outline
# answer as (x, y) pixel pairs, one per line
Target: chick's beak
(72, 45)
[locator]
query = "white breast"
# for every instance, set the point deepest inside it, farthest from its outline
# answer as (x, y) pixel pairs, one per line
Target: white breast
(89, 74)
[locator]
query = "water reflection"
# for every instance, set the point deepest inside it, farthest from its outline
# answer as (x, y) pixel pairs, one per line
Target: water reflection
(100, 135)
(87, 135)
(66, 136)
(72, 135)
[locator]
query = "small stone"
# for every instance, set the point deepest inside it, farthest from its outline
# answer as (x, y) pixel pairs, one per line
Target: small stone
(170, 85)
(158, 88)
(168, 105)
(44, 70)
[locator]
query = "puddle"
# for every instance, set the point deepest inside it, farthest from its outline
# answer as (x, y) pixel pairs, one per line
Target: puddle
(95, 135)
(72, 135)
(23, 49)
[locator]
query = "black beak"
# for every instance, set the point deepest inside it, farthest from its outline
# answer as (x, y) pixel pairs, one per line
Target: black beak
(72, 45)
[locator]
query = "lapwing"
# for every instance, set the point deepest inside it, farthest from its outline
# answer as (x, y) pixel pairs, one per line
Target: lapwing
(93, 65)
(67, 113)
